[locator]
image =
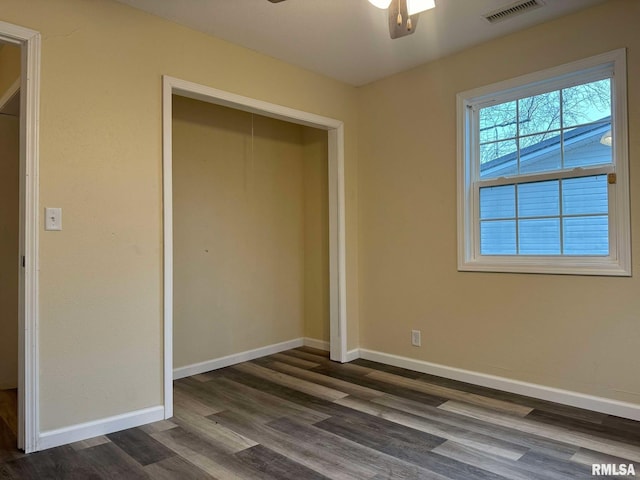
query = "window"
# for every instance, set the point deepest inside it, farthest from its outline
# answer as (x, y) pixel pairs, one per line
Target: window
(543, 172)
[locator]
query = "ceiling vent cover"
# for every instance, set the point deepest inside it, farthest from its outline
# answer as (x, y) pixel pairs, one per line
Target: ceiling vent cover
(512, 10)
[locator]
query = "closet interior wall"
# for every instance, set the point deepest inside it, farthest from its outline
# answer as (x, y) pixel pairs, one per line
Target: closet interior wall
(250, 210)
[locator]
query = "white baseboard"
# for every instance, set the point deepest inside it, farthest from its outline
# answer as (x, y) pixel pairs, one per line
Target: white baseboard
(566, 397)
(104, 426)
(229, 360)
(326, 346)
(315, 343)
(353, 355)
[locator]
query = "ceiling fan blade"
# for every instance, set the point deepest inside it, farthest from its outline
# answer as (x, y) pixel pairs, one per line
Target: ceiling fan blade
(395, 30)
(276, 1)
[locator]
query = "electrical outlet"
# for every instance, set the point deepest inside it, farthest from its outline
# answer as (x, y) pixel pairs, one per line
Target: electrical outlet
(416, 341)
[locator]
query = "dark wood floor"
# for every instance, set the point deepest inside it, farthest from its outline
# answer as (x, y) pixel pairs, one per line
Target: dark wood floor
(296, 415)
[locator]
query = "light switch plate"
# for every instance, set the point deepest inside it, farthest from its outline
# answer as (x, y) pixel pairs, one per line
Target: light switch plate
(53, 219)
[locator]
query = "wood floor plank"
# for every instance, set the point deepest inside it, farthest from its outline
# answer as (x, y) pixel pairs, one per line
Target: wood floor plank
(386, 465)
(366, 381)
(140, 446)
(185, 400)
(273, 465)
(603, 431)
(110, 461)
(205, 456)
(331, 461)
(315, 351)
(295, 361)
(223, 398)
(405, 445)
(322, 408)
(264, 406)
(291, 382)
(161, 426)
(63, 462)
(451, 394)
(91, 442)
(510, 469)
(583, 440)
(176, 468)
(321, 359)
(464, 437)
(533, 442)
(555, 468)
(588, 457)
(533, 403)
(228, 440)
(375, 431)
(331, 382)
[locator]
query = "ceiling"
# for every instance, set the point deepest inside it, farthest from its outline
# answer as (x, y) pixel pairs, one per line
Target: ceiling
(349, 39)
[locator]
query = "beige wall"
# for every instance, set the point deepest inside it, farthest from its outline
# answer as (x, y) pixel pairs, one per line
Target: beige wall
(9, 165)
(316, 234)
(9, 66)
(246, 217)
(571, 332)
(101, 162)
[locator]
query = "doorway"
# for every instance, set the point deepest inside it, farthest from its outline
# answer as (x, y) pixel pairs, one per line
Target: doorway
(336, 208)
(19, 100)
(10, 66)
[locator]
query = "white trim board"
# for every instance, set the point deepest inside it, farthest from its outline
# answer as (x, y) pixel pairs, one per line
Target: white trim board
(353, 355)
(214, 364)
(104, 426)
(337, 208)
(11, 92)
(28, 355)
(234, 359)
(318, 344)
(565, 397)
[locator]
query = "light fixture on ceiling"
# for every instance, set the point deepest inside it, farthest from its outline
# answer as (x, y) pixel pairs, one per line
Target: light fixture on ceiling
(413, 6)
(401, 9)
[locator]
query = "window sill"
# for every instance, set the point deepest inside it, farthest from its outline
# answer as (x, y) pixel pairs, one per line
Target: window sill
(598, 266)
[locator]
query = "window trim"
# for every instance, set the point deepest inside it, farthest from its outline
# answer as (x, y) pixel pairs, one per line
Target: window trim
(618, 262)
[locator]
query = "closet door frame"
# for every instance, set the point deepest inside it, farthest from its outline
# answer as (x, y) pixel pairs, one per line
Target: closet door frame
(337, 237)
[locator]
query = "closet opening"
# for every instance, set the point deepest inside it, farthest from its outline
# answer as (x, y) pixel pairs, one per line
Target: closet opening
(253, 231)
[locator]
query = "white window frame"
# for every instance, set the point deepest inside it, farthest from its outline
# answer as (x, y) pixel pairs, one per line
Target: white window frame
(618, 262)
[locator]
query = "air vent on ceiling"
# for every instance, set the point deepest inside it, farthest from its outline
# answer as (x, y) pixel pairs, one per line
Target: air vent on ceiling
(512, 10)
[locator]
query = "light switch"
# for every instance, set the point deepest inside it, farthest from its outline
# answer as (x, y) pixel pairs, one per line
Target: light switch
(53, 219)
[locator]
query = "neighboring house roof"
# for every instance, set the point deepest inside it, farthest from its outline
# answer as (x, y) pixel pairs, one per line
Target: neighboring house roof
(581, 145)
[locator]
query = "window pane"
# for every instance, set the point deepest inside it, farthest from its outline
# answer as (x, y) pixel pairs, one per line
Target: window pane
(498, 159)
(539, 113)
(586, 235)
(586, 103)
(539, 237)
(588, 145)
(539, 199)
(498, 202)
(498, 237)
(585, 195)
(540, 153)
(498, 122)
